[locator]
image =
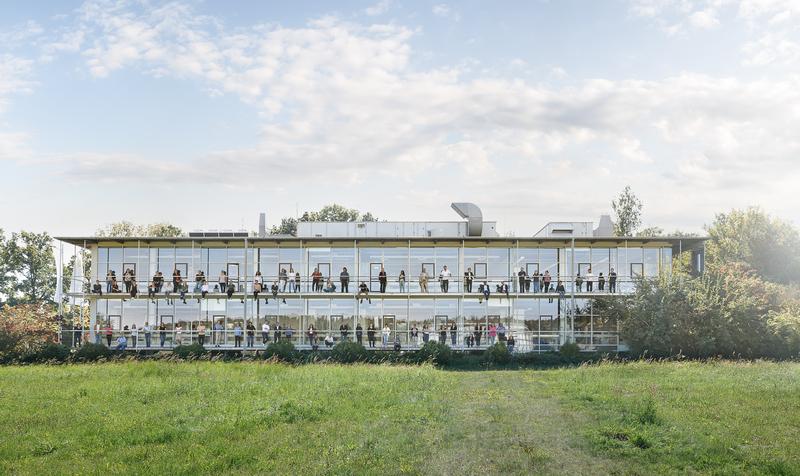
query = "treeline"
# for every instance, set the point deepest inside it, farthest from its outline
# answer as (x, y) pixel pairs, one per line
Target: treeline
(746, 304)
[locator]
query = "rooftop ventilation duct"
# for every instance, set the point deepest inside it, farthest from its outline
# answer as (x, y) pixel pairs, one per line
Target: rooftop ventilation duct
(473, 215)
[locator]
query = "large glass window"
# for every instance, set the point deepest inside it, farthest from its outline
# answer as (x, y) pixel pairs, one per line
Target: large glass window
(651, 259)
(497, 259)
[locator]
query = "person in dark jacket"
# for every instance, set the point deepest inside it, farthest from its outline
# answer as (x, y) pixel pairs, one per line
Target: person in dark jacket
(371, 335)
(344, 279)
(359, 333)
(612, 281)
(382, 280)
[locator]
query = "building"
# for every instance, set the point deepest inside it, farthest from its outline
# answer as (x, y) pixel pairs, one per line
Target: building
(538, 320)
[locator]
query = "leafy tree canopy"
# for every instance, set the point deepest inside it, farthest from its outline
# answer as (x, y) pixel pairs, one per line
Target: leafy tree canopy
(126, 229)
(28, 257)
(767, 245)
(628, 211)
(329, 213)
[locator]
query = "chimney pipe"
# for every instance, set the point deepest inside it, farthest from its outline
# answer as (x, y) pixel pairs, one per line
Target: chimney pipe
(262, 225)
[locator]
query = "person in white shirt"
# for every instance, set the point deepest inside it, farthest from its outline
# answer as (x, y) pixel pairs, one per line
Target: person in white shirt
(444, 279)
(386, 333)
(134, 335)
(264, 333)
(588, 279)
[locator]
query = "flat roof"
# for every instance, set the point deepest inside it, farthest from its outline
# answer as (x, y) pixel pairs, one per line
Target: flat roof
(688, 242)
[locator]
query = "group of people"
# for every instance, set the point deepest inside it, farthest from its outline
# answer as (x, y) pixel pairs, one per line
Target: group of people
(273, 333)
(289, 278)
(588, 280)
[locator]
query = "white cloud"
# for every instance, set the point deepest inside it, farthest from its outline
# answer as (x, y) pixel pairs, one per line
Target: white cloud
(444, 10)
(379, 8)
(344, 103)
(704, 19)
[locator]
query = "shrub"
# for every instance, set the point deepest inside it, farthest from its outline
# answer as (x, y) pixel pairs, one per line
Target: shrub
(53, 351)
(283, 351)
(191, 350)
(497, 354)
(433, 352)
(91, 351)
(570, 350)
(348, 352)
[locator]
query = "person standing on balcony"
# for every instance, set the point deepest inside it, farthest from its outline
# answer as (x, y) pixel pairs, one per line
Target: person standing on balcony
(382, 280)
(198, 281)
(283, 277)
(134, 335)
(126, 280)
(423, 281)
(177, 280)
(536, 287)
(546, 280)
(453, 333)
(492, 333)
(401, 280)
(371, 335)
(521, 276)
(265, 332)
(223, 281)
(612, 281)
(109, 275)
(359, 333)
(589, 280)
(312, 337)
(601, 283)
(162, 333)
(344, 280)
(201, 333)
(251, 334)
(387, 332)
(579, 282)
(289, 278)
(147, 334)
(444, 279)
(237, 335)
(415, 335)
(469, 276)
(219, 333)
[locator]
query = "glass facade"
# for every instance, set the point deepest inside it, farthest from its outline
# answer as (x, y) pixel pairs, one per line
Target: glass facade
(415, 285)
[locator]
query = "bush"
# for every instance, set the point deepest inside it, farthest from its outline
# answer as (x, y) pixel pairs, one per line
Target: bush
(91, 352)
(433, 352)
(348, 352)
(497, 354)
(570, 350)
(283, 351)
(191, 350)
(53, 351)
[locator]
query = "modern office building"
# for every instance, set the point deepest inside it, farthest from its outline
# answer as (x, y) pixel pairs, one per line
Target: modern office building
(538, 320)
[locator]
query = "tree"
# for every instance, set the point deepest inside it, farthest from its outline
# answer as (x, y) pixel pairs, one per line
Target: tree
(288, 226)
(30, 257)
(69, 269)
(328, 213)
(126, 229)
(765, 244)
(628, 210)
(6, 275)
(25, 328)
(726, 312)
(651, 232)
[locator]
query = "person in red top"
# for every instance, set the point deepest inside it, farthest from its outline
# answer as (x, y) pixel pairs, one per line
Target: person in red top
(109, 333)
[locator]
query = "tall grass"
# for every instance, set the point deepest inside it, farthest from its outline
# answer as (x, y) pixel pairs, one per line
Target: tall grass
(255, 417)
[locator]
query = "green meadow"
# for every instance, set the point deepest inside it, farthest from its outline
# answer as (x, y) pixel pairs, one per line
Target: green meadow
(257, 417)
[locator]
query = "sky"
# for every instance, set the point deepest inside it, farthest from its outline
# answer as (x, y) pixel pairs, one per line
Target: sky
(205, 113)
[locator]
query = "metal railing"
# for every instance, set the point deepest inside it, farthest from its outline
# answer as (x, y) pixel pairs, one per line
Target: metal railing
(231, 339)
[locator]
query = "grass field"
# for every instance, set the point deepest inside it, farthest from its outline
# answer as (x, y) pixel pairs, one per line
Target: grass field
(247, 418)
